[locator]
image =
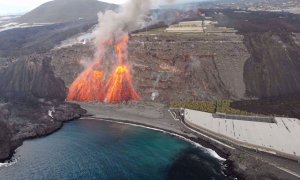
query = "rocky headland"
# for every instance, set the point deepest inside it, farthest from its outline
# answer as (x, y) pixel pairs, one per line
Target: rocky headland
(32, 103)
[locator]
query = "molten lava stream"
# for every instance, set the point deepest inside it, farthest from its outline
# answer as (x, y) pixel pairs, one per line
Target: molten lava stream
(87, 87)
(119, 87)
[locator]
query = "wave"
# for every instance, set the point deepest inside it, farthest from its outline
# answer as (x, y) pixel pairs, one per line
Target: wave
(9, 162)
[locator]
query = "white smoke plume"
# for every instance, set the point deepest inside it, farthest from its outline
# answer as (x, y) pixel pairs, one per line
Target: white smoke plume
(113, 25)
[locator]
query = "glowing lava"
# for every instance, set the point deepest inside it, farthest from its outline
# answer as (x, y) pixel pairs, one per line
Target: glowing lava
(119, 88)
(87, 87)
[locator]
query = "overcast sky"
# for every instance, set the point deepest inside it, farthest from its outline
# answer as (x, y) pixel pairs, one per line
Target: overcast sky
(12, 7)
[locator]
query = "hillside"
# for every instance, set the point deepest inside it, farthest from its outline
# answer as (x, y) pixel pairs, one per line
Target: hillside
(37, 79)
(23, 113)
(40, 39)
(259, 61)
(58, 11)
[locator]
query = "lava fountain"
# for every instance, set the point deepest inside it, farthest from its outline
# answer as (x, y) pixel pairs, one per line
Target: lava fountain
(111, 42)
(88, 86)
(119, 87)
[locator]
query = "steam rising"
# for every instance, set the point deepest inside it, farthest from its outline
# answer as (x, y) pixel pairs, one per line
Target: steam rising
(115, 25)
(111, 44)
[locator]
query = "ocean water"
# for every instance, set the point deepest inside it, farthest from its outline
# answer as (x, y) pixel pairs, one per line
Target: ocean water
(90, 149)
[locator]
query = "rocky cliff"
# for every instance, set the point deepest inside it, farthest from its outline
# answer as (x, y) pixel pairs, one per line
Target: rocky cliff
(21, 120)
(174, 66)
(260, 60)
(31, 77)
(5, 133)
(274, 66)
(272, 40)
(31, 102)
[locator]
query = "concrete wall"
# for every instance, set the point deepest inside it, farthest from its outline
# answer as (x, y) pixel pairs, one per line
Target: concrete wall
(280, 138)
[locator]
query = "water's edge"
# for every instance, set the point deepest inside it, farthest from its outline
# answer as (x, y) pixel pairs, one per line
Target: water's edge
(198, 142)
(216, 152)
(187, 139)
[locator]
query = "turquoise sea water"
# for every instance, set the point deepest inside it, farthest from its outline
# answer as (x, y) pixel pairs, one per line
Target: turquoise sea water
(90, 149)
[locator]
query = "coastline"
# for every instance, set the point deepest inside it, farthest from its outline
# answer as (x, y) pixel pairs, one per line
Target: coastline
(160, 120)
(221, 156)
(241, 162)
(20, 142)
(36, 128)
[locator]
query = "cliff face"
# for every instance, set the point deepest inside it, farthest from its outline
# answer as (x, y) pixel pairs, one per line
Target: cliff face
(21, 120)
(31, 77)
(183, 67)
(176, 67)
(260, 60)
(274, 66)
(4, 141)
(23, 115)
(203, 67)
(272, 40)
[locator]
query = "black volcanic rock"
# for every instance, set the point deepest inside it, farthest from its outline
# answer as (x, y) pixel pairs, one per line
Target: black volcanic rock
(66, 10)
(274, 66)
(21, 120)
(5, 136)
(65, 112)
(31, 77)
(40, 39)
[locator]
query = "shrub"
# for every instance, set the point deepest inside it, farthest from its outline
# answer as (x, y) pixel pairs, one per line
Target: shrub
(209, 106)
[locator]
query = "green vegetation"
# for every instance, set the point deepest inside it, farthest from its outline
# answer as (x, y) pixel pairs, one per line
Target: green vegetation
(224, 107)
(209, 106)
(206, 106)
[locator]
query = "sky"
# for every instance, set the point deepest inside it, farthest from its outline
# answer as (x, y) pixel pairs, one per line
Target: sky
(16, 7)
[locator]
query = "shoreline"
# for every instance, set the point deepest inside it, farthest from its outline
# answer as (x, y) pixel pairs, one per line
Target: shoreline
(239, 163)
(242, 163)
(198, 142)
(223, 162)
(139, 116)
(220, 156)
(20, 143)
(68, 112)
(214, 151)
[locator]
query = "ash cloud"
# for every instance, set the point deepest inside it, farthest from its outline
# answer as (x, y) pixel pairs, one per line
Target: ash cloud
(114, 25)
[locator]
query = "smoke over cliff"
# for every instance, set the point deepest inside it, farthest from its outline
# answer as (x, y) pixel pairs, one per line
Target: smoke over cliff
(114, 25)
(109, 77)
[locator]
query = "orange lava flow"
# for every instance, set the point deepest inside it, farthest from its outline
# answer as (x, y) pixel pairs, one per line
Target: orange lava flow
(121, 49)
(119, 87)
(87, 87)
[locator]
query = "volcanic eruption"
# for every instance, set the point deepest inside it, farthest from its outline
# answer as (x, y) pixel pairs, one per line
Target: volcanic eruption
(90, 84)
(119, 86)
(97, 83)
(87, 86)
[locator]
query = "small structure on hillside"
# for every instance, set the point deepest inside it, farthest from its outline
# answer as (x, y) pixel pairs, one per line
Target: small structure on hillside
(205, 26)
(186, 26)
